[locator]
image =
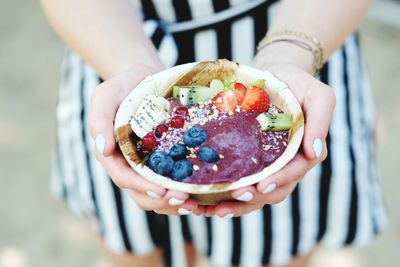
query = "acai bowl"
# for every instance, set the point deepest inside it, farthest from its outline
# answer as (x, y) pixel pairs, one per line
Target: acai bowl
(207, 128)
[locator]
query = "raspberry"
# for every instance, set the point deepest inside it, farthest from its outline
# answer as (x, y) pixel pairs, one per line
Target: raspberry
(149, 141)
(177, 122)
(183, 111)
(160, 129)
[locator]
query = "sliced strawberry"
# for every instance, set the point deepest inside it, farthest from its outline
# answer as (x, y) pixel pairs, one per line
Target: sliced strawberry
(231, 97)
(256, 99)
(240, 87)
(218, 101)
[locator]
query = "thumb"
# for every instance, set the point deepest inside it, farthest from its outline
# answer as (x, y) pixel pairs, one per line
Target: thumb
(104, 105)
(318, 107)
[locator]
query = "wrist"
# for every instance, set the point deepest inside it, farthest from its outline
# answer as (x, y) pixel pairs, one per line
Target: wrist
(141, 55)
(149, 66)
(284, 53)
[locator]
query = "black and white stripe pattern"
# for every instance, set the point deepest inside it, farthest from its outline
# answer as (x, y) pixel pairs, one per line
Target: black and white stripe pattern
(338, 202)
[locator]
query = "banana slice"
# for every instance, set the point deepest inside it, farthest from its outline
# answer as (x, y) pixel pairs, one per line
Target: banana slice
(152, 111)
(162, 103)
(137, 128)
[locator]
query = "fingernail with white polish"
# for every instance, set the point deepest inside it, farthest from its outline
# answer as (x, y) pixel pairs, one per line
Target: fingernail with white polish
(175, 202)
(247, 196)
(269, 189)
(153, 194)
(183, 211)
(100, 142)
(228, 216)
(317, 147)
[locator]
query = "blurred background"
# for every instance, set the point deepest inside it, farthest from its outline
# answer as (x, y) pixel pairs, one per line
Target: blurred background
(37, 230)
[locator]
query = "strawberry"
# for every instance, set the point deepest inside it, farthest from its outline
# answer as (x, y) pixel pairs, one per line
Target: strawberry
(256, 99)
(231, 96)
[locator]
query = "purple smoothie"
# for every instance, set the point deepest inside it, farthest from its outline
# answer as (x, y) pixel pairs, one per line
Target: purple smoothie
(244, 147)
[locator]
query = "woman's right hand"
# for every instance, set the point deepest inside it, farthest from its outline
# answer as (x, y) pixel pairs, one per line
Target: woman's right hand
(104, 105)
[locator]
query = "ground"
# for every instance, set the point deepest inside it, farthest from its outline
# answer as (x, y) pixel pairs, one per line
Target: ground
(40, 231)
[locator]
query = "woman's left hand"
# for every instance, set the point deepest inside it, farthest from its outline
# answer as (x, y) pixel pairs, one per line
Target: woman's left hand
(317, 102)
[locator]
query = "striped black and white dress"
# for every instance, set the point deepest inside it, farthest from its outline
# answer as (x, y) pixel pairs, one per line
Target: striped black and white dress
(338, 203)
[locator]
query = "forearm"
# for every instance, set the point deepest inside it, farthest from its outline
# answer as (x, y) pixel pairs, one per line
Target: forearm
(330, 21)
(106, 33)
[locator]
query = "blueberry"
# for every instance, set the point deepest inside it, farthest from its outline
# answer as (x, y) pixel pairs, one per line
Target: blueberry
(194, 136)
(160, 163)
(178, 152)
(208, 154)
(181, 170)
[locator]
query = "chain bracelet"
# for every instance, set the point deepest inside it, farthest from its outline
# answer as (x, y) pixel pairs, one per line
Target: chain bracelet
(318, 52)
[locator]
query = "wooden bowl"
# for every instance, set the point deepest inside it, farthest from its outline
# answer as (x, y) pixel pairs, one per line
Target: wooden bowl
(201, 73)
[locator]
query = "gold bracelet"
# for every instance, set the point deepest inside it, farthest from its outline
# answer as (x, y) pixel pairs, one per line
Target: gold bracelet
(318, 52)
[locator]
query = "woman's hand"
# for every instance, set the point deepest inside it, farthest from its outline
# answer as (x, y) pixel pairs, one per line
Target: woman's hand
(317, 101)
(104, 105)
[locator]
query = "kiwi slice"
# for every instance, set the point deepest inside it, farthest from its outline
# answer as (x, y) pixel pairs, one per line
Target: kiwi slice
(189, 95)
(175, 91)
(275, 122)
